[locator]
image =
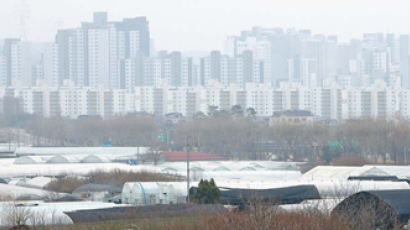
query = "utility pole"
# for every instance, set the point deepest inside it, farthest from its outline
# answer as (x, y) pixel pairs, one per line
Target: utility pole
(9, 136)
(187, 168)
(167, 140)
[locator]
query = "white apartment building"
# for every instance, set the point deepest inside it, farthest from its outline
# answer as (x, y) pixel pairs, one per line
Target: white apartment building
(103, 57)
(93, 55)
(155, 71)
(114, 60)
(122, 102)
(50, 65)
(3, 71)
(77, 50)
(73, 101)
(262, 52)
(149, 100)
(134, 43)
(99, 57)
(74, 66)
(130, 73)
(260, 98)
(20, 64)
(404, 104)
(187, 72)
(329, 103)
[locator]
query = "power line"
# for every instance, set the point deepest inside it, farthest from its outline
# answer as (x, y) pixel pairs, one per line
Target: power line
(24, 17)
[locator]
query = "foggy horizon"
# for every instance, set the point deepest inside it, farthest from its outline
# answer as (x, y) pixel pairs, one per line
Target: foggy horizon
(211, 20)
(177, 114)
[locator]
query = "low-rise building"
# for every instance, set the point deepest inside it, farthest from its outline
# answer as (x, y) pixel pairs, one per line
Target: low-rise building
(292, 116)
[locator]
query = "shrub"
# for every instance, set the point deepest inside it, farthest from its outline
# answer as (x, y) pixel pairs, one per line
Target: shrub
(66, 184)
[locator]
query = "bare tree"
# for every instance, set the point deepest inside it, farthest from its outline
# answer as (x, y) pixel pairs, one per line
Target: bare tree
(15, 215)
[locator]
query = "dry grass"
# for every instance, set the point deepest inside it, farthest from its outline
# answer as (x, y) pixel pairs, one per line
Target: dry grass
(257, 217)
(67, 184)
(350, 161)
(119, 177)
(227, 221)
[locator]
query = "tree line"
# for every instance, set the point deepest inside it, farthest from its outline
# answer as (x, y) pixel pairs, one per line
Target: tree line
(235, 134)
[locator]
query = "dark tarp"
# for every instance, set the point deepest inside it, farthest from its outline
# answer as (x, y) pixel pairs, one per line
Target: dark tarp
(68, 198)
(384, 208)
(374, 178)
(97, 188)
(27, 197)
(286, 195)
(121, 213)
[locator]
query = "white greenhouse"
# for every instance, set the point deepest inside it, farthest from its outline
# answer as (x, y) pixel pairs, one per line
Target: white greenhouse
(146, 193)
(14, 192)
(256, 165)
(60, 159)
(337, 173)
(170, 170)
(95, 159)
(51, 213)
(36, 182)
(347, 188)
(151, 193)
(221, 169)
(247, 169)
(252, 176)
(401, 172)
(52, 151)
(27, 160)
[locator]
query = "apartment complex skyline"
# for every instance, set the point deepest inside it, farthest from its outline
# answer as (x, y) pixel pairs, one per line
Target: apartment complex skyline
(106, 58)
(119, 55)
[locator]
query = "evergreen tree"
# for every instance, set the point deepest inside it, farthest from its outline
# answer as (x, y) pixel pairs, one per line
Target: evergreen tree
(207, 192)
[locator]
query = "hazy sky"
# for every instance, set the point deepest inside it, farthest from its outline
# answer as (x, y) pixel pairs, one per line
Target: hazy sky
(204, 24)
